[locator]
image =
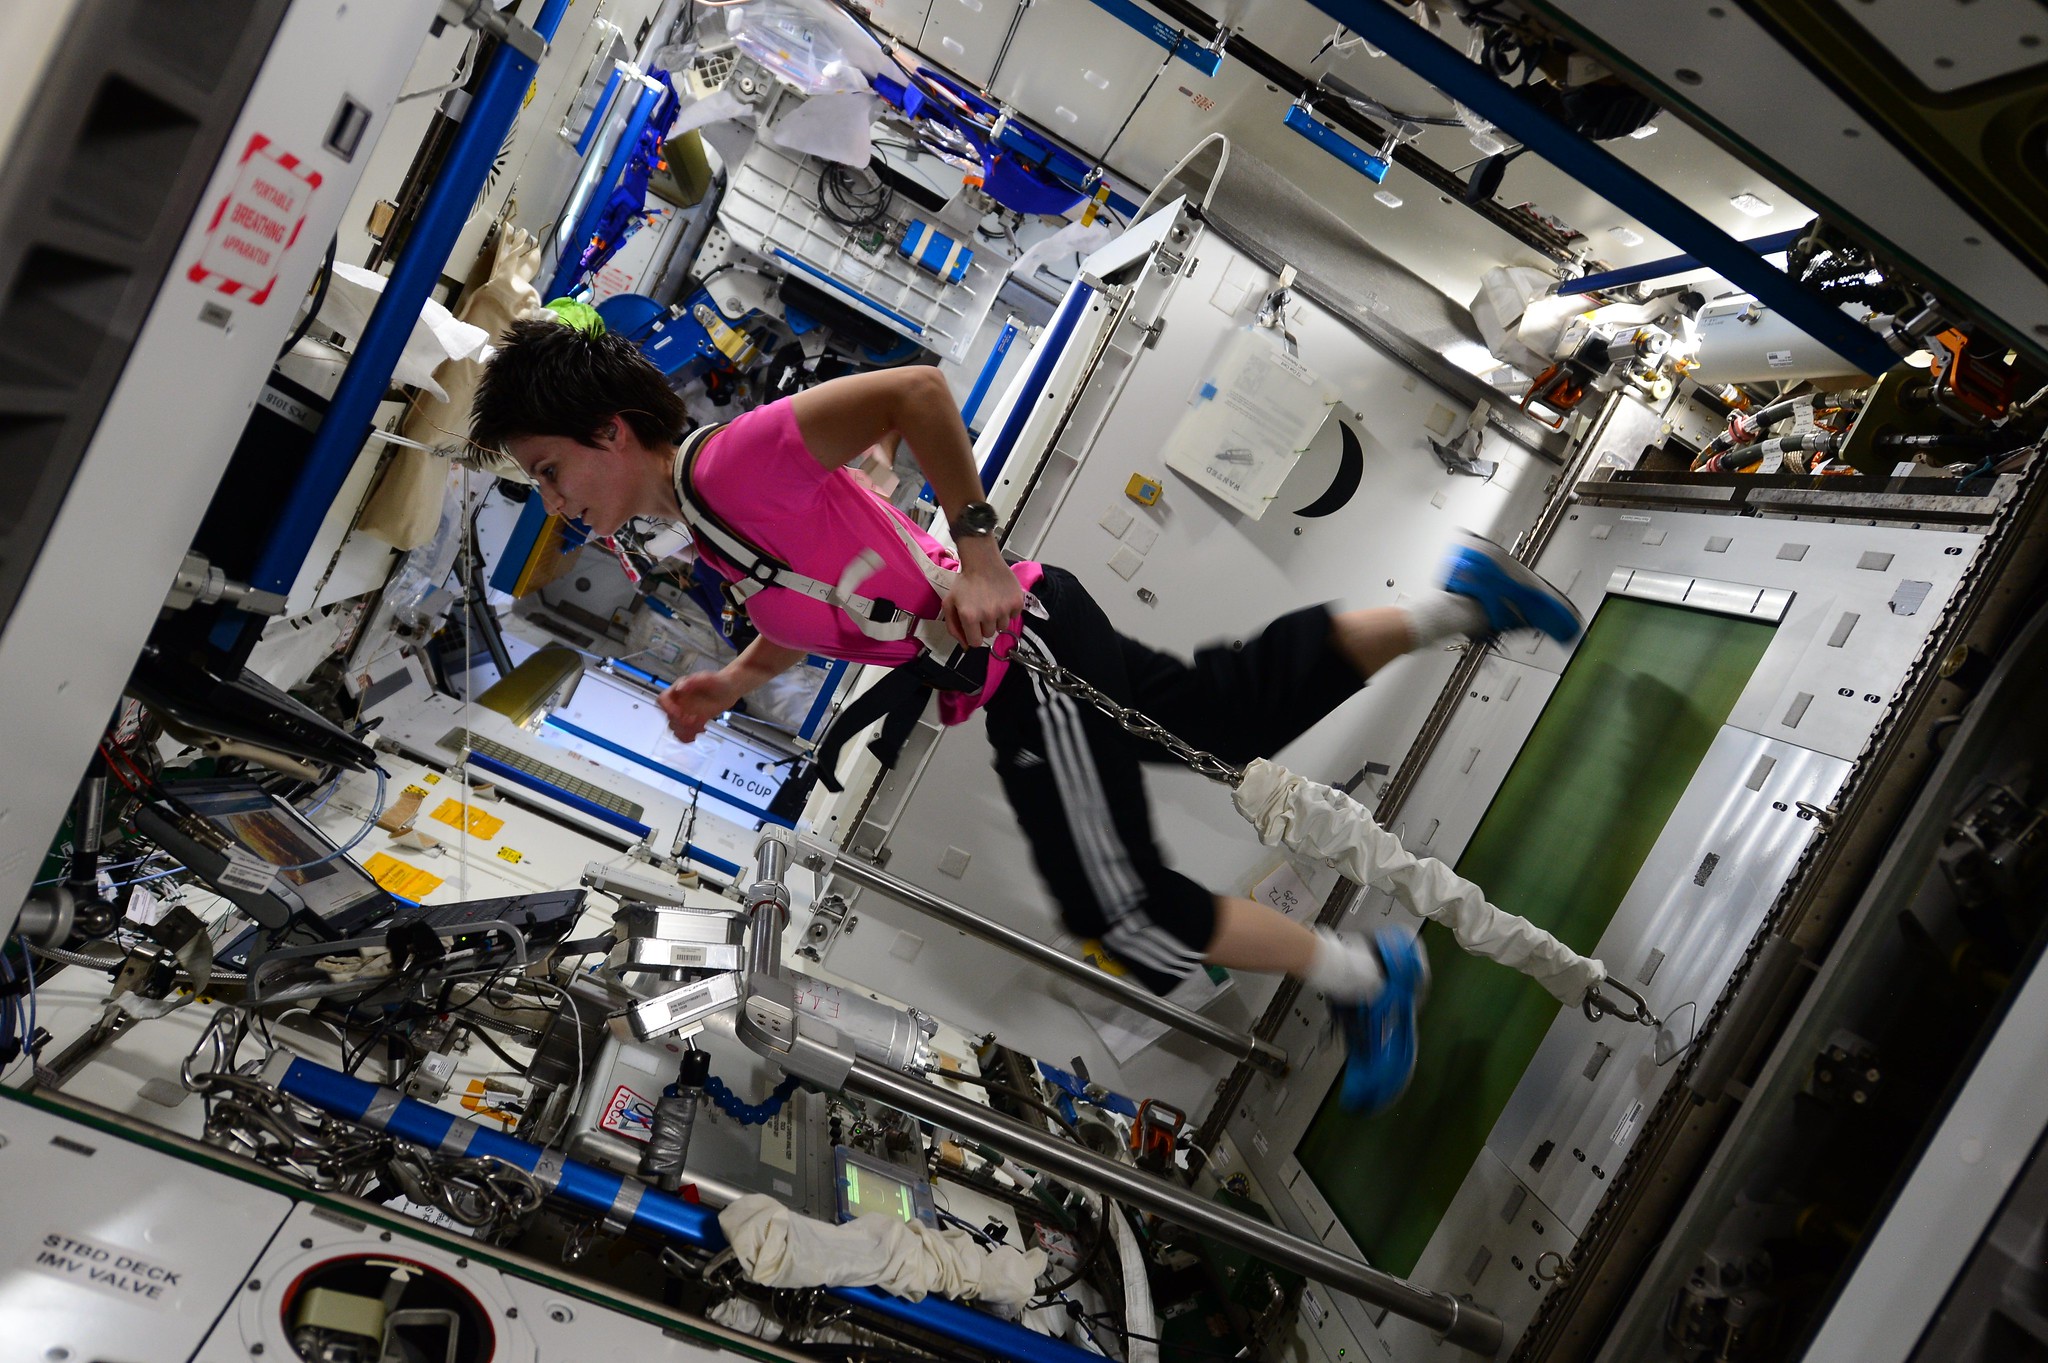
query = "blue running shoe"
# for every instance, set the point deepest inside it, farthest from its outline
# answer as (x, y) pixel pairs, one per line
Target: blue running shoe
(1512, 596)
(1379, 1037)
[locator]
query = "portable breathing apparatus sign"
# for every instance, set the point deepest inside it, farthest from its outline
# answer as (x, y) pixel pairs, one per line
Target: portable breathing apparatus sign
(255, 223)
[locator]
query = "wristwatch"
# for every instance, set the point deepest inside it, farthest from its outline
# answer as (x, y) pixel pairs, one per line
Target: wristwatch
(977, 520)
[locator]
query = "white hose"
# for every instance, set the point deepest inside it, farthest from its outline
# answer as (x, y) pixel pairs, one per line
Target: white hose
(1140, 1319)
(1222, 160)
(1329, 825)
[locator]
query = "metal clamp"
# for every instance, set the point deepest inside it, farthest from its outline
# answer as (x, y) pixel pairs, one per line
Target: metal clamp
(1598, 1005)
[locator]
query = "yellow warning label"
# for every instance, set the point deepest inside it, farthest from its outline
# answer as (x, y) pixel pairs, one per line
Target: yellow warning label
(431, 779)
(420, 791)
(477, 1100)
(401, 878)
(511, 854)
(481, 825)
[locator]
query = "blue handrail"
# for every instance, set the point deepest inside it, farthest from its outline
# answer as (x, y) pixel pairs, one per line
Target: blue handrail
(641, 1207)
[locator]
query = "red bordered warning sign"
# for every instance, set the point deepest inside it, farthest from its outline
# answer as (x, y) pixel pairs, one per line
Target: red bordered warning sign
(629, 1114)
(255, 223)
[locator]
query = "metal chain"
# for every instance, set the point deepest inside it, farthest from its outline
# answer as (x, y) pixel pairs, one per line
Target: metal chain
(1131, 721)
(1596, 1004)
(1673, 1102)
(255, 1119)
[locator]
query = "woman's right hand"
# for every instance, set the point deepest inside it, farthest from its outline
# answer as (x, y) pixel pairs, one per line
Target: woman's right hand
(694, 701)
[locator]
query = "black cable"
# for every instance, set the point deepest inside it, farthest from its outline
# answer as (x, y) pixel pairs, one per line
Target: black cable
(1102, 1321)
(476, 1029)
(1110, 146)
(319, 297)
(854, 206)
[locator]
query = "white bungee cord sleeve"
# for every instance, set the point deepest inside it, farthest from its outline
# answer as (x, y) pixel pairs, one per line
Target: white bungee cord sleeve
(1329, 825)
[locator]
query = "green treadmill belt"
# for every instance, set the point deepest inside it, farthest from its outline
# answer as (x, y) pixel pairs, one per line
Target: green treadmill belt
(1587, 797)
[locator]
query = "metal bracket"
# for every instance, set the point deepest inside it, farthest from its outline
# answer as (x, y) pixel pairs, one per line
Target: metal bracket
(829, 914)
(481, 16)
(1462, 457)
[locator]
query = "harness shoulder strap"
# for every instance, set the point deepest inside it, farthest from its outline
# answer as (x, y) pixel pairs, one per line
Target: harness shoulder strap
(729, 543)
(759, 569)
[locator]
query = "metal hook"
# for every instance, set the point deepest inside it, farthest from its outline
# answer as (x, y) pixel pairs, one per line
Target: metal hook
(1598, 1005)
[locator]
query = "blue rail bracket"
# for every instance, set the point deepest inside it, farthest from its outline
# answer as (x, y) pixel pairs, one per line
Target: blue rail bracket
(1443, 66)
(1373, 166)
(1205, 59)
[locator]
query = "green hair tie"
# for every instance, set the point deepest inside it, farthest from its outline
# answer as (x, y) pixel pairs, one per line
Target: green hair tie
(579, 315)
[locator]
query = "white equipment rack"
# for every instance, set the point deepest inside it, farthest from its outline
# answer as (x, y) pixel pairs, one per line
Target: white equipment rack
(771, 208)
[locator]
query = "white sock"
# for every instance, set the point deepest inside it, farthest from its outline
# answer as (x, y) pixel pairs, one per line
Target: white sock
(1346, 969)
(1443, 616)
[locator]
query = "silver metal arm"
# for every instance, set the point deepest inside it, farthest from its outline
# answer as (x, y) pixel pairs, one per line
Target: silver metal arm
(768, 904)
(1457, 1321)
(775, 1024)
(1264, 1054)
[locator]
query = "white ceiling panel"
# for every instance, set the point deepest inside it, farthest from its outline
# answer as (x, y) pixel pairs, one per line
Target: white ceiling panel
(966, 36)
(900, 18)
(1444, 243)
(1079, 71)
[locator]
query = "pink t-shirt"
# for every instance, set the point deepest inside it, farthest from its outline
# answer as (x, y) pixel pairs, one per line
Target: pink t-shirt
(763, 481)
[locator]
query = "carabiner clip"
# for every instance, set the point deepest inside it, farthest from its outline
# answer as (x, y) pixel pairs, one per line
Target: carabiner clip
(1598, 1005)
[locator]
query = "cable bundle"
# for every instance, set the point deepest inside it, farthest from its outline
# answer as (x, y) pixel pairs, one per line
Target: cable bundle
(853, 197)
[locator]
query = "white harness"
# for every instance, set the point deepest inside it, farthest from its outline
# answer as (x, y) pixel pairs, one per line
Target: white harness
(876, 617)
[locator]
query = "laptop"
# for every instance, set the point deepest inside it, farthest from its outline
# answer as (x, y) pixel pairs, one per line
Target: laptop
(337, 899)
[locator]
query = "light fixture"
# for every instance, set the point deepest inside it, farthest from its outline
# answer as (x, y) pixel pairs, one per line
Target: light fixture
(1752, 205)
(1389, 198)
(1647, 130)
(1626, 236)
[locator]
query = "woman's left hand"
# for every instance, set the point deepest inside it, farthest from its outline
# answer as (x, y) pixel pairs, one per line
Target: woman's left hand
(984, 600)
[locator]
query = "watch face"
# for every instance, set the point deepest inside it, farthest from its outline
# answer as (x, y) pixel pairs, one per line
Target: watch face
(976, 518)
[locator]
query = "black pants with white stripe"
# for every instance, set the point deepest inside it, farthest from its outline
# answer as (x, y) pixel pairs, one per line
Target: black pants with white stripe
(1073, 776)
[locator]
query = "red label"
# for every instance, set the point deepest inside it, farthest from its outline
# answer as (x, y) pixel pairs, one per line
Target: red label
(629, 1114)
(255, 223)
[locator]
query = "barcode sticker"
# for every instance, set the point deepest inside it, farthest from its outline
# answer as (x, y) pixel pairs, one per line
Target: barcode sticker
(247, 872)
(1627, 1123)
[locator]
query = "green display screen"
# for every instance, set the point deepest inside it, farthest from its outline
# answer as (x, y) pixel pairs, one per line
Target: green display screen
(868, 1192)
(1588, 796)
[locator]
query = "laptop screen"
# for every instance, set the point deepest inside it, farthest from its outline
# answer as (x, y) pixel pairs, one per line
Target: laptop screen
(279, 834)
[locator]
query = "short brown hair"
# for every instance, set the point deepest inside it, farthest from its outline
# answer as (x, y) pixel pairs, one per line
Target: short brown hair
(549, 378)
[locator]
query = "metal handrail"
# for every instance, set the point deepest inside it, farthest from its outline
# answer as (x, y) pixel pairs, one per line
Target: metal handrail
(822, 857)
